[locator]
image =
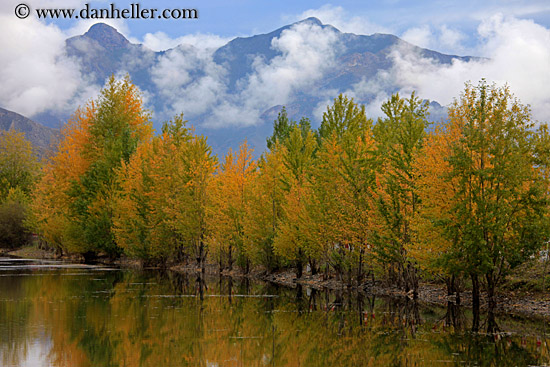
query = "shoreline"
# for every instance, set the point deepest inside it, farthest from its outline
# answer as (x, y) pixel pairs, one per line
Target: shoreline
(528, 304)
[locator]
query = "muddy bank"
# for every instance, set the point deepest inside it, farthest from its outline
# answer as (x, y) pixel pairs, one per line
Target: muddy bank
(531, 305)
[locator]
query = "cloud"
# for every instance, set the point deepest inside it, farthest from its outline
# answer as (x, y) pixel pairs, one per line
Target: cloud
(341, 19)
(440, 38)
(307, 52)
(192, 82)
(517, 53)
(189, 80)
(36, 73)
(160, 41)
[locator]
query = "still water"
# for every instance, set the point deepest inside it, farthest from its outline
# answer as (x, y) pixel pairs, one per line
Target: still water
(57, 314)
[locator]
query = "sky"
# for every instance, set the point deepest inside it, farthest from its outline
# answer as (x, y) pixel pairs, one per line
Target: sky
(513, 34)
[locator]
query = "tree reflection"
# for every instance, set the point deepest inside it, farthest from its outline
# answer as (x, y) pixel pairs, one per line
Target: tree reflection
(159, 319)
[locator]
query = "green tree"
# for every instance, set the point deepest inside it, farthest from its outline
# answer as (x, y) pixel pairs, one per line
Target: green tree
(281, 129)
(73, 206)
(501, 204)
(400, 137)
(19, 169)
(298, 156)
(147, 182)
(18, 163)
(343, 118)
(344, 175)
(120, 122)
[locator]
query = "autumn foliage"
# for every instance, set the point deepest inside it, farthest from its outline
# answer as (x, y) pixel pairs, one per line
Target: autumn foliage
(466, 198)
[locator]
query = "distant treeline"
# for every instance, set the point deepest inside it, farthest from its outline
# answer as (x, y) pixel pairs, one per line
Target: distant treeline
(467, 198)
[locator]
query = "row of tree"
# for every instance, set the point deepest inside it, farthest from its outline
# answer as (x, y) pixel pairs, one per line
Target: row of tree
(464, 199)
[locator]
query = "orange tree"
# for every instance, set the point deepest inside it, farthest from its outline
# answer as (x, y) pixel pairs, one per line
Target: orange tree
(73, 207)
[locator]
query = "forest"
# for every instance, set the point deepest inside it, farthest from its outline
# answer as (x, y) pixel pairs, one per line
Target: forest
(398, 198)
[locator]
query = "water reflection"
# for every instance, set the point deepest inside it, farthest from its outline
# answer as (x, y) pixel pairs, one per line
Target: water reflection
(123, 318)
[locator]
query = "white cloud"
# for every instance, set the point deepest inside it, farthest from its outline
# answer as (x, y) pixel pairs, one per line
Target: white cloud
(192, 83)
(36, 74)
(517, 51)
(419, 36)
(160, 41)
(308, 51)
(189, 80)
(341, 19)
(440, 38)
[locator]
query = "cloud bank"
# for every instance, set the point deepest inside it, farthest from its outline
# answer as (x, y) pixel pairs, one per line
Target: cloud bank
(36, 73)
(38, 76)
(517, 53)
(193, 83)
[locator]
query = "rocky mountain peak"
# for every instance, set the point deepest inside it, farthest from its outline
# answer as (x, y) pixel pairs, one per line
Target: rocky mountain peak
(107, 36)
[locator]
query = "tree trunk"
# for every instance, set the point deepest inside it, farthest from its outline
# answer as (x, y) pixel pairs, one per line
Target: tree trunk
(313, 266)
(475, 302)
(230, 259)
(299, 269)
(360, 267)
(410, 279)
(299, 264)
(453, 288)
(491, 304)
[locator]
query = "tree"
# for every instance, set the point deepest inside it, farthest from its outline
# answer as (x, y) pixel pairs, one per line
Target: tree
(341, 217)
(146, 183)
(13, 213)
(431, 246)
(73, 207)
(186, 210)
(298, 159)
(264, 210)
(281, 129)
(229, 196)
(344, 117)
(19, 170)
(400, 137)
(500, 208)
(18, 163)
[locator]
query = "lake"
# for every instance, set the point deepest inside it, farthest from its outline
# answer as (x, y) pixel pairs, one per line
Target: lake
(58, 314)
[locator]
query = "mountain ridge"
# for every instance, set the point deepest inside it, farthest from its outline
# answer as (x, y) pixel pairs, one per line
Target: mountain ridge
(40, 136)
(232, 68)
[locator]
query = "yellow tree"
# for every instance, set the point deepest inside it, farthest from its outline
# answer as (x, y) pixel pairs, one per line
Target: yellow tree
(431, 245)
(263, 210)
(298, 158)
(192, 167)
(227, 212)
(141, 225)
(50, 205)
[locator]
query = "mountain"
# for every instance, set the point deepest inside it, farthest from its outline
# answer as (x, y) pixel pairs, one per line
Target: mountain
(236, 91)
(40, 136)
